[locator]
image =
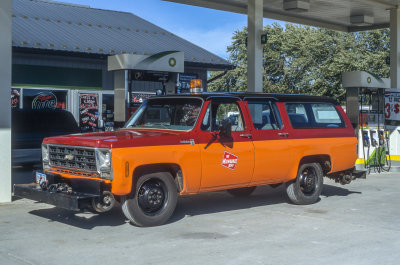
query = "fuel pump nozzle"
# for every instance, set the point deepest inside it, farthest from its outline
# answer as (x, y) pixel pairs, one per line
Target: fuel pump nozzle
(381, 135)
(365, 138)
(374, 138)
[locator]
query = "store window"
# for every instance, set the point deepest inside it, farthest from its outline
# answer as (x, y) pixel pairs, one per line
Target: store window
(15, 98)
(88, 111)
(108, 111)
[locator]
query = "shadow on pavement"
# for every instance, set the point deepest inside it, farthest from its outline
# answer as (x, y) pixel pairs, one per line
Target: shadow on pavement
(84, 220)
(222, 201)
(330, 191)
(191, 205)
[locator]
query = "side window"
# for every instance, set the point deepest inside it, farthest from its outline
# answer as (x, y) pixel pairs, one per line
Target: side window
(265, 115)
(205, 124)
(326, 116)
(314, 115)
(217, 112)
(298, 115)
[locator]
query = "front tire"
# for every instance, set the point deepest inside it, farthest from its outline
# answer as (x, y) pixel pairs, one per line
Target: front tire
(307, 187)
(154, 200)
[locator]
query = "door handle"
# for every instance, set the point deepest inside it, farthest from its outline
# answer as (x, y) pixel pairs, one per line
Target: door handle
(283, 134)
(246, 135)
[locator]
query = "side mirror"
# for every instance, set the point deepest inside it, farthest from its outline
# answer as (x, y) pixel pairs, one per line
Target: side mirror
(225, 129)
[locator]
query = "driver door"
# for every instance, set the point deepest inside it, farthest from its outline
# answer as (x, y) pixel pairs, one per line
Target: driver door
(227, 161)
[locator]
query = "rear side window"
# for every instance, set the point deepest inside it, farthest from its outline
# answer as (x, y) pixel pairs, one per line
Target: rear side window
(314, 115)
(298, 115)
(326, 115)
(265, 115)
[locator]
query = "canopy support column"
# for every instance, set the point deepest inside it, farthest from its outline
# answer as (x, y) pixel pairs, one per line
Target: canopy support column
(395, 48)
(5, 102)
(254, 46)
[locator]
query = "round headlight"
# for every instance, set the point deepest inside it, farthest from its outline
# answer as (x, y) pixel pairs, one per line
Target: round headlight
(107, 160)
(45, 153)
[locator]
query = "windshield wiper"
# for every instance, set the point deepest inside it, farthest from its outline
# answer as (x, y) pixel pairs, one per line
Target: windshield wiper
(160, 124)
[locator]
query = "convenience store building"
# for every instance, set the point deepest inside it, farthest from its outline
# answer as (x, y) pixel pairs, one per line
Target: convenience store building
(60, 52)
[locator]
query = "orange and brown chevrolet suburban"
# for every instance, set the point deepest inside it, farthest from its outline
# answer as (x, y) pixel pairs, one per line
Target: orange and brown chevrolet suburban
(191, 143)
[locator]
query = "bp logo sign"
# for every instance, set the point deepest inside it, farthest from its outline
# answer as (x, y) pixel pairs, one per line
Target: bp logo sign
(172, 62)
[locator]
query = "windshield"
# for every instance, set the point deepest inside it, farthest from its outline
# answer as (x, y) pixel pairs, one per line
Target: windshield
(167, 113)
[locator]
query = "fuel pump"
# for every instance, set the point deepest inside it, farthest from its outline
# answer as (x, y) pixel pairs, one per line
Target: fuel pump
(375, 153)
(365, 109)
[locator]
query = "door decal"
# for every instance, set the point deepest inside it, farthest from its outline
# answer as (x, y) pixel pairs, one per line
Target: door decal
(229, 161)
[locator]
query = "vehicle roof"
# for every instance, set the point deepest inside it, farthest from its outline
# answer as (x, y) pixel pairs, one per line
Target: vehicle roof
(273, 96)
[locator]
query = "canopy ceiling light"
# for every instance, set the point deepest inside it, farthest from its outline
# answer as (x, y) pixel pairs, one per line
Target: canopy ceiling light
(361, 20)
(296, 5)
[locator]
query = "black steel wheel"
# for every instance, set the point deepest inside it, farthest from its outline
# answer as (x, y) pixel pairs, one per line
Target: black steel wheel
(152, 196)
(307, 187)
(242, 192)
(104, 203)
(154, 200)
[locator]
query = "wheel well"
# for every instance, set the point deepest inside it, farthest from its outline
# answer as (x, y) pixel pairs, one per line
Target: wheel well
(154, 168)
(323, 160)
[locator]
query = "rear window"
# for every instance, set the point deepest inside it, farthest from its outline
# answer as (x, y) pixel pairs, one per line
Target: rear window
(314, 115)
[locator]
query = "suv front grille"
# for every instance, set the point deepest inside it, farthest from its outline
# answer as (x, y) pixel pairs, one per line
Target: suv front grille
(73, 157)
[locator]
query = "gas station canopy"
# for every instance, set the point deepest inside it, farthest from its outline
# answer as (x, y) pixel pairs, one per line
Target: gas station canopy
(342, 15)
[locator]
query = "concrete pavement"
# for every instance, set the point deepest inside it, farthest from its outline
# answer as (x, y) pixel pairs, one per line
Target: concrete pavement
(352, 224)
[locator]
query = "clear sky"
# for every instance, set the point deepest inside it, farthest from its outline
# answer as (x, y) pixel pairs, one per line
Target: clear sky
(207, 28)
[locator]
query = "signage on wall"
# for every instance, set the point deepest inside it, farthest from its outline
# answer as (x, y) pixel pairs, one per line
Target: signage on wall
(184, 82)
(392, 104)
(167, 61)
(15, 97)
(140, 97)
(88, 111)
(150, 76)
(45, 100)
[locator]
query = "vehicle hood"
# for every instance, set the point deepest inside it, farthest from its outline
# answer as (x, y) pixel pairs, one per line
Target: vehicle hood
(121, 138)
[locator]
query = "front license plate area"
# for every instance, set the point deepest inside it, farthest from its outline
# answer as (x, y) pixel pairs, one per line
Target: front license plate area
(40, 178)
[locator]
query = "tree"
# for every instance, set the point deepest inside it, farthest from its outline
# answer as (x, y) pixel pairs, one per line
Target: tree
(307, 60)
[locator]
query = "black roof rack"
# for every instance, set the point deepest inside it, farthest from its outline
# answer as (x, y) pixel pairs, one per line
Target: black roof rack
(248, 95)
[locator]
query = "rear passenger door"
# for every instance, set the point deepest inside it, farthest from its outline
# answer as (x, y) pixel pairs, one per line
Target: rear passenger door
(273, 151)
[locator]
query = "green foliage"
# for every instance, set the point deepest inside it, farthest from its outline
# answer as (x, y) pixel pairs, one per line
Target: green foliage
(306, 60)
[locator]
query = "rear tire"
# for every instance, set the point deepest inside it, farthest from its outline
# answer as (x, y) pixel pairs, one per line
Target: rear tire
(242, 192)
(153, 202)
(307, 187)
